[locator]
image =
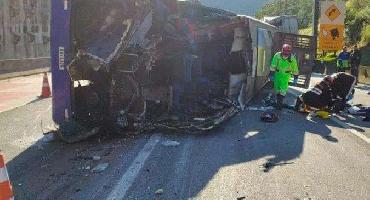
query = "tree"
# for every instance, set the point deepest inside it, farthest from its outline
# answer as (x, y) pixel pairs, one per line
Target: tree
(302, 9)
(358, 21)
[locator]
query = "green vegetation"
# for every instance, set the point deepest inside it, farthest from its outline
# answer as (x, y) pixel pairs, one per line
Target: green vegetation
(306, 31)
(365, 51)
(365, 35)
(358, 21)
(303, 9)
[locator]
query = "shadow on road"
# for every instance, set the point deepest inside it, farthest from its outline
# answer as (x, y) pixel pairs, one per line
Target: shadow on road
(242, 140)
(60, 167)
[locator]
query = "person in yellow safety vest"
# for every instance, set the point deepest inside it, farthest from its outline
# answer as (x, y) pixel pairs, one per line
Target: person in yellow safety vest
(283, 67)
(343, 60)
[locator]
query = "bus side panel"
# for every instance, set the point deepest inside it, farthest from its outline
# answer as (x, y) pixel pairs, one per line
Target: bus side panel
(258, 77)
(60, 56)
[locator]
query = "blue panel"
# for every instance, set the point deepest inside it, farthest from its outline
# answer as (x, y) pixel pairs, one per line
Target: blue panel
(60, 38)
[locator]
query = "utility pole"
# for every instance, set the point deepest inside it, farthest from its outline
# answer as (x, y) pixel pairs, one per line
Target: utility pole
(316, 15)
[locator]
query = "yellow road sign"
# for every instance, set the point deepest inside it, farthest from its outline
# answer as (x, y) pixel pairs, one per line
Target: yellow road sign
(331, 37)
(332, 12)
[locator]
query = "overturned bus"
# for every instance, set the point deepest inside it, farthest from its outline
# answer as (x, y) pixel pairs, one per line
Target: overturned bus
(139, 65)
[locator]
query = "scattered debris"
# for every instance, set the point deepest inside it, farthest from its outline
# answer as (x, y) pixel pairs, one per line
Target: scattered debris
(100, 168)
(366, 119)
(312, 114)
(44, 166)
(199, 119)
(269, 165)
(264, 109)
(159, 192)
(269, 117)
(359, 110)
(323, 114)
(354, 110)
(170, 143)
(96, 158)
(72, 131)
(330, 138)
(50, 137)
(269, 100)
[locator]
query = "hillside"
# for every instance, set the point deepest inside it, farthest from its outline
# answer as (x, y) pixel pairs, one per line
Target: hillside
(357, 17)
(300, 8)
(245, 7)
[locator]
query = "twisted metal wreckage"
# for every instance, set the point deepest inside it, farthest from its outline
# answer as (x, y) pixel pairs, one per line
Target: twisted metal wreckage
(140, 65)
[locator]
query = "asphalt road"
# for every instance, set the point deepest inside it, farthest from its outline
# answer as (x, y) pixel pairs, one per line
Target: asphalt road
(297, 158)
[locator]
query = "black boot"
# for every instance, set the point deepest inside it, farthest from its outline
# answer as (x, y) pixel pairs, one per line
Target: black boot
(298, 104)
(279, 102)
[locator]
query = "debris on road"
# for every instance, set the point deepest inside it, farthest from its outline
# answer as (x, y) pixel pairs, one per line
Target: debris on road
(159, 191)
(170, 143)
(100, 168)
(50, 137)
(269, 117)
(323, 114)
(354, 110)
(96, 158)
(269, 100)
(241, 198)
(264, 109)
(72, 131)
(360, 110)
(269, 165)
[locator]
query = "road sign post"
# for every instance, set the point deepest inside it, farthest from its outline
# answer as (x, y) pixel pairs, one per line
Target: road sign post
(316, 24)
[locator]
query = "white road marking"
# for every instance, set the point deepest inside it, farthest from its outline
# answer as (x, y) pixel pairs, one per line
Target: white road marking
(124, 184)
(181, 168)
(351, 130)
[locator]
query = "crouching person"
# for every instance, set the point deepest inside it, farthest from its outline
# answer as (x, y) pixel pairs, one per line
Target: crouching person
(331, 94)
(283, 67)
(319, 97)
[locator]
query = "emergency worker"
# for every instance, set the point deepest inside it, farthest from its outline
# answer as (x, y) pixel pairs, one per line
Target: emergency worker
(355, 60)
(343, 60)
(283, 67)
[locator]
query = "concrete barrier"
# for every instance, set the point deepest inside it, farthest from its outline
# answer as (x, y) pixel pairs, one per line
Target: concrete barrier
(23, 67)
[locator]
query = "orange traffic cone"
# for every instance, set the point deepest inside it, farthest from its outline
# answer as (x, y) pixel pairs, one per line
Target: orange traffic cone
(6, 191)
(45, 93)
